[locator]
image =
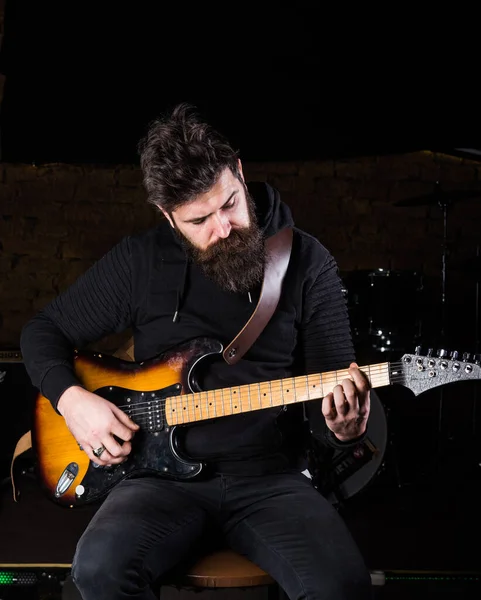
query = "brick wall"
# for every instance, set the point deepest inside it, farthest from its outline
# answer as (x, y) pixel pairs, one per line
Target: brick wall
(56, 219)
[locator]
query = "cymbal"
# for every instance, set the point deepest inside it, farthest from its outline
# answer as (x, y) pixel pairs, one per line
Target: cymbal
(439, 197)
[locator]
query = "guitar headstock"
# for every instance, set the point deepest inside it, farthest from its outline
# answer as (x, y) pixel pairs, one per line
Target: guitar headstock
(421, 372)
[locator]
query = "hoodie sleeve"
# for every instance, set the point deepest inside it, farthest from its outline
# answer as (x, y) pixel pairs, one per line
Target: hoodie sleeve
(97, 304)
(326, 341)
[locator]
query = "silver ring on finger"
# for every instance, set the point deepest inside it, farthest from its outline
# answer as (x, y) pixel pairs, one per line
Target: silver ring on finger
(98, 451)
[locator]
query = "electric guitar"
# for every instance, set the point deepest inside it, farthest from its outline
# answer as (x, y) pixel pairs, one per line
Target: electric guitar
(163, 394)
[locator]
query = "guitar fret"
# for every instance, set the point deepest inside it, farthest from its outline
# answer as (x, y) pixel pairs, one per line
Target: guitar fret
(195, 407)
(286, 388)
(191, 407)
(222, 401)
(209, 404)
(213, 401)
(306, 385)
(238, 399)
(183, 408)
(235, 400)
(178, 410)
(314, 387)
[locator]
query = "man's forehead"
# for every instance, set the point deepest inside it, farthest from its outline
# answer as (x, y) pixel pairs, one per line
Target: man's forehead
(216, 197)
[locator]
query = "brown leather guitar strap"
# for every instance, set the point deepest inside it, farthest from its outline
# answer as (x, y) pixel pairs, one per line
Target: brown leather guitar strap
(278, 249)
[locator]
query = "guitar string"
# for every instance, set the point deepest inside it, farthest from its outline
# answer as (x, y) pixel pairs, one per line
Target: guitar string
(178, 402)
(138, 408)
(143, 407)
(143, 417)
(376, 378)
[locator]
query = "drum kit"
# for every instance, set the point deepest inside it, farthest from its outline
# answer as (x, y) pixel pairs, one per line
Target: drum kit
(388, 310)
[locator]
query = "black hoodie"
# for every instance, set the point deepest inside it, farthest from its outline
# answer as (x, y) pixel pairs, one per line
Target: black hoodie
(146, 282)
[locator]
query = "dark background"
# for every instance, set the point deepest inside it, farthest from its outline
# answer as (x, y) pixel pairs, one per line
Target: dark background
(285, 83)
(290, 82)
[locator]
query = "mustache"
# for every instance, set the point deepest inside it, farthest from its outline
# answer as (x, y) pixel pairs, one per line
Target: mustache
(238, 241)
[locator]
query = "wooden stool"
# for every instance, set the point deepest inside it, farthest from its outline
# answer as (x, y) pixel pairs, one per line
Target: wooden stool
(227, 569)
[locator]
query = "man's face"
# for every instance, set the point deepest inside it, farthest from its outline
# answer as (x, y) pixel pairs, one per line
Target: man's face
(220, 232)
(211, 216)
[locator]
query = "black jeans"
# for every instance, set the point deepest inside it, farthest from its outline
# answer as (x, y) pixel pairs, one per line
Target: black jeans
(146, 527)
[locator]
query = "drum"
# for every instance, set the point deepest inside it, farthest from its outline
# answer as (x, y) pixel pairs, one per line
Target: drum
(341, 474)
(385, 309)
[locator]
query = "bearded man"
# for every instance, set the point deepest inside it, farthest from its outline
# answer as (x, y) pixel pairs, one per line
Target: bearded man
(199, 274)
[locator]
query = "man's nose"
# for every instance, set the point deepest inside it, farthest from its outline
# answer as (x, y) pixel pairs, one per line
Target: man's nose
(222, 226)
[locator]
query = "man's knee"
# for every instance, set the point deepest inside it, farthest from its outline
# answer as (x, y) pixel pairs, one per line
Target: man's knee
(100, 571)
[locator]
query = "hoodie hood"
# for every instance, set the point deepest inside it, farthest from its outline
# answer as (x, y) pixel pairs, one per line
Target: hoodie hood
(273, 215)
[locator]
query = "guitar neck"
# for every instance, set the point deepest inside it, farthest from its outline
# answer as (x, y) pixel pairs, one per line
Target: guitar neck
(199, 406)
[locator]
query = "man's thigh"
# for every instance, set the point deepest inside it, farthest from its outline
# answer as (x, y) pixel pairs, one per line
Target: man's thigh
(296, 535)
(146, 526)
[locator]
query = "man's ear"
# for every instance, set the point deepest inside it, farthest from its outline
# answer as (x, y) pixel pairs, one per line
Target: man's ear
(167, 216)
(241, 172)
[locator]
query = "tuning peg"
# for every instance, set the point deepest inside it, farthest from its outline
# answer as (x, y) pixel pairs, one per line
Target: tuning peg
(466, 356)
(429, 352)
(454, 355)
(417, 350)
(442, 353)
(477, 358)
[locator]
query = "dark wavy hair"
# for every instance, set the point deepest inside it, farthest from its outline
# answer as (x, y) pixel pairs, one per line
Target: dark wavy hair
(181, 157)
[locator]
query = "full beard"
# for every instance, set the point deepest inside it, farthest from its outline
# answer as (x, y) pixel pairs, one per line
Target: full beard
(235, 263)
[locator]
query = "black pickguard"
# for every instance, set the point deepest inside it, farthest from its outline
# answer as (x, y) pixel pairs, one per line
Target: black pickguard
(156, 447)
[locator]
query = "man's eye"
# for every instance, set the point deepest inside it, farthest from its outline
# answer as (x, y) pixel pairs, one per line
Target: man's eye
(198, 222)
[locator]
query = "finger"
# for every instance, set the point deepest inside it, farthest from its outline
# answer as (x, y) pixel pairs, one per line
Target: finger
(125, 420)
(104, 459)
(115, 449)
(350, 395)
(363, 386)
(340, 402)
(365, 405)
(121, 431)
(328, 408)
(360, 378)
